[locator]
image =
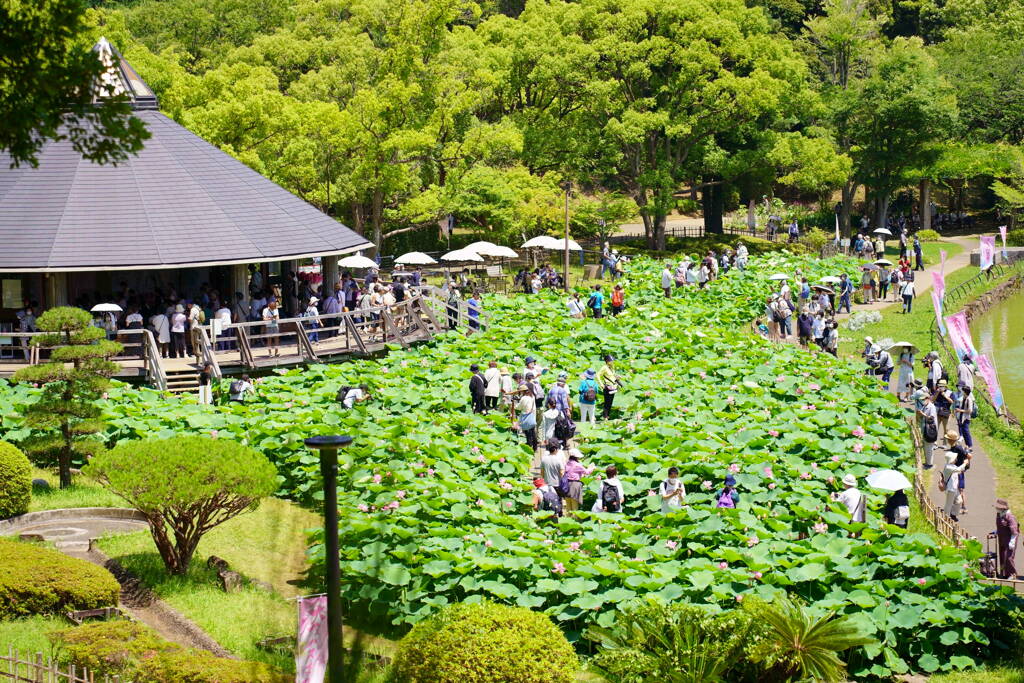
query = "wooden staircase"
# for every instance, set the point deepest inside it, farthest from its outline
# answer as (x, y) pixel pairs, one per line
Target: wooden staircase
(182, 381)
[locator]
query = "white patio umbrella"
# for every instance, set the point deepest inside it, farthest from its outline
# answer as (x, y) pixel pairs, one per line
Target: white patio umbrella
(559, 245)
(482, 248)
(888, 480)
(779, 276)
(882, 231)
(883, 262)
(831, 279)
(106, 308)
(540, 241)
(415, 258)
(902, 345)
(462, 255)
(503, 252)
(356, 261)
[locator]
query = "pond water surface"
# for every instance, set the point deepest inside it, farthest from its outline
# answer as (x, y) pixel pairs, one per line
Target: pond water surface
(1000, 334)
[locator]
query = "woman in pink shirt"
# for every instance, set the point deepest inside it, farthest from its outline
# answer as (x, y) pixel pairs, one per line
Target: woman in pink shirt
(574, 473)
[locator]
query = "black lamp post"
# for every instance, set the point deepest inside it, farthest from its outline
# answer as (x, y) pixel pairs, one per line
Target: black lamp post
(328, 448)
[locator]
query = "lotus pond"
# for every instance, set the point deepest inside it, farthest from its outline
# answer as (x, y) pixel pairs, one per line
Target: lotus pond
(435, 501)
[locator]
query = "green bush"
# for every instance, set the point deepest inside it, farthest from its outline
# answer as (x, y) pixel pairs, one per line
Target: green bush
(37, 580)
(486, 642)
(15, 481)
(1015, 238)
(927, 235)
(135, 652)
(112, 648)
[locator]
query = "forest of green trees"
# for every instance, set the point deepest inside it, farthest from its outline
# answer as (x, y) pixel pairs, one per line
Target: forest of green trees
(391, 114)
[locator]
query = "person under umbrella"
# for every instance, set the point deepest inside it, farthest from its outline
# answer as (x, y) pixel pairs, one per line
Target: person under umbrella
(897, 506)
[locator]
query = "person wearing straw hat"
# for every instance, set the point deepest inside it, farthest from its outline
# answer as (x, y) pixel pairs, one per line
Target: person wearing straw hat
(1006, 534)
(949, 484)
(944, 404)
(852, 498)
(955, 444)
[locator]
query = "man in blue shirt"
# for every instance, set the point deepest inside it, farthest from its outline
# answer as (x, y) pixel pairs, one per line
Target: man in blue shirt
(474, 305)
(560, 394)
(596, 302)
(845, 292)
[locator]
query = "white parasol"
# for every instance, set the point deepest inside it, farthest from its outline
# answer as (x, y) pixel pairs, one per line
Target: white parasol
(902, 345)
(540, 241)
(462, 255)
(415, 258)
(489, 249)
(503, 252)
(888, 480)
(882, 231)
(779, 276)
(559, 245)
(831, 279)
(106, 308)
(883, 262)
(356, 261)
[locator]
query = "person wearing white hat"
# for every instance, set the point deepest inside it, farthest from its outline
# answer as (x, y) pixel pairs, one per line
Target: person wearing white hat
(178, 320)
(949, 483)
(852, 498)
(313, 322)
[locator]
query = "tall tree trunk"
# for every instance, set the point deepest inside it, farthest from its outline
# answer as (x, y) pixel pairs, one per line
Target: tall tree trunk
(377, 219)
(714, 208)
(846, 207)
(926, 204)
(751, 216)
(881, 209)
(660, 243)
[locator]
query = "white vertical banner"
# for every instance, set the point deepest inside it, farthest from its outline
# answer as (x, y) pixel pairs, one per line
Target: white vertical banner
(311, 650)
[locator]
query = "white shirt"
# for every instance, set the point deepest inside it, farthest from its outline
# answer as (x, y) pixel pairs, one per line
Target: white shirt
(852, 498)
(353, 395)
(550, 418)
(493, 378)
(818, 328)
(575, 306)
(133, 318)
(965, 375)
(908, 288)
(741, 252)
(243, 387)
(271, 316)
(666, 278)
(929, 410)
(935, 371)
(527, 404)
(223, 314)
(178, 322)
(161, 327)
(665, 489)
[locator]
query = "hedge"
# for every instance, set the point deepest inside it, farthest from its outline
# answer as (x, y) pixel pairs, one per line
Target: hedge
(486, 642)
(15, 481)
(134, 652)
(37, 580)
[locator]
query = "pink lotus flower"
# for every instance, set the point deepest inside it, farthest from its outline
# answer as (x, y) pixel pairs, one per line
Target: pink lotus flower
(558, 568)
(706, 484)
(773, 432)
(733, 387)
(813, 387)
(488, 543)
(730, 400)
(400, 494)
(858, 447)
(630, 427)
(739, 598)
(752, 541)
(703, 375)
(872, 470)
(922, 581)
(805, 475)
(376, 478)
(651, 492)
(505, 485)
(806, 374)
(508, 503)
(768, 472)
(835, 458)
(780, 378)
(799, 391)
(466, 537)
(480, 458)
(480, 502)
(363, 507)
(875, 446)
(809, 407)
(214, 433)
(574, 546)
(465, 432)
(734, 468)
(771, 485)
(814, 465)
(430, 472)
(723, 565)
(671, 545)
(758, 575)
(821, 527)
(858, 432)
(393, 505)
(831, 480)
(475, 449)
(501, 459)
(104, 396)
(421, 474)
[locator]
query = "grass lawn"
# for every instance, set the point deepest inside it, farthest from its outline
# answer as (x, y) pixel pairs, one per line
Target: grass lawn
(986, 675)
(28, 635)
(84, 493)
(268, 545)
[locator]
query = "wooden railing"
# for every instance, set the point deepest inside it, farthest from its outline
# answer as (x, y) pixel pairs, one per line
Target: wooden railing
(28, 668)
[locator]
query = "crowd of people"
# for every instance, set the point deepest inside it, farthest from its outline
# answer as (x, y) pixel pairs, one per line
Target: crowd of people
(691, 273)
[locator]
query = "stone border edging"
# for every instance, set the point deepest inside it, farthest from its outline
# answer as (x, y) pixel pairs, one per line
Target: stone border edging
(11, 525)
(985, 301)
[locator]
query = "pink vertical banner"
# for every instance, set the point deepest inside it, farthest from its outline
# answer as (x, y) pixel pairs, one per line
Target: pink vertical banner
(939, 283)
(988, 251)
(937, 303)
(942, 257)
(988, 373)
(960, 334)
(1002, 233)
(311, 650)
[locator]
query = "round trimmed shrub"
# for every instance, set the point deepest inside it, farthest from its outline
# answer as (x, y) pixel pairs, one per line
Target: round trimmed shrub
(485, 642)
(37, 580)
(15, 481)
(927, 235)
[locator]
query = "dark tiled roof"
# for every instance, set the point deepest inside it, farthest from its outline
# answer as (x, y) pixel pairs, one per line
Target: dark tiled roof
(181, 201)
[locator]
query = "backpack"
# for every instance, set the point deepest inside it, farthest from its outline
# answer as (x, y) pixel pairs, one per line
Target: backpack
(590, 393)
(725, 499)
(565, 428)
(563, 486)
(617, 297)
(609, 497)
(592, 301)
(236, 387)
(930, 430)
(550, 501)
(974, 409)
(342, 393)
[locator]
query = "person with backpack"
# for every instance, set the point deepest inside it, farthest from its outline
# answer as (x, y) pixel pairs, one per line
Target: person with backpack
(609, 382)
(929, 428)
(965, 372)
(949, 484)
(672, 492)
(935, 370)
(239, 388)
(955, 444)
(907, 292)
(618, 299)
(728, 497)
(897, 509)
(350, 396)
(527, 409)
(477, 387)
(965, 410)
(588, 397)
(944, 402)
(559, 393)
(552, 463)
(852, 497)
(575, 306)
(610, 494)
(596, 302)
(550, 415)
(545, 497)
